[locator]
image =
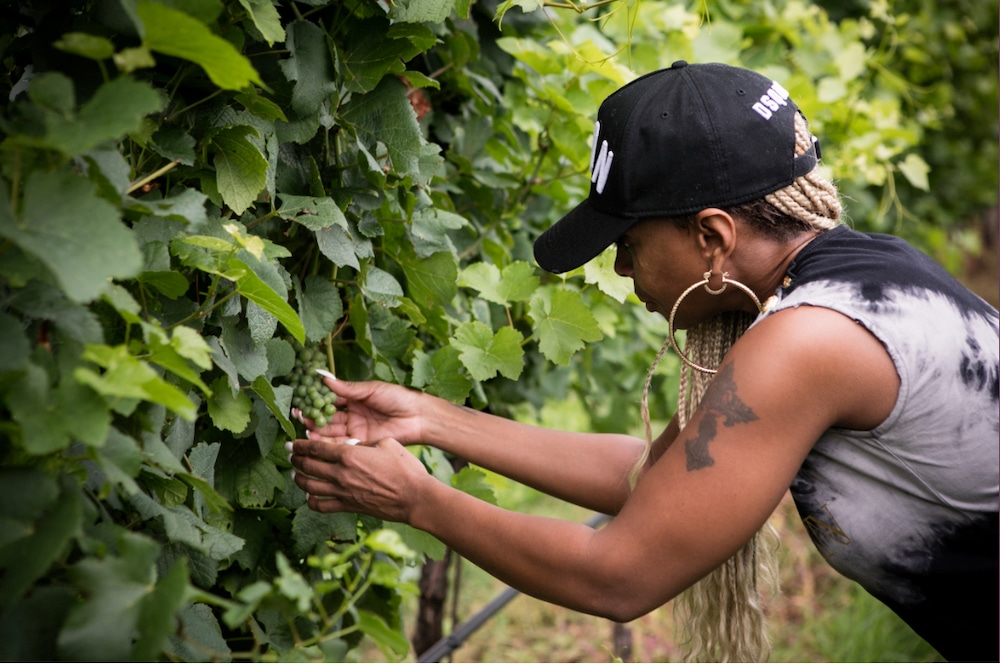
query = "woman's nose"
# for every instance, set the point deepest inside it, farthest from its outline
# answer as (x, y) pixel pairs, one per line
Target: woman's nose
(623, 262)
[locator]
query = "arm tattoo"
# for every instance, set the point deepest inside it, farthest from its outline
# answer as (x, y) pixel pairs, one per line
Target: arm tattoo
(720, 402)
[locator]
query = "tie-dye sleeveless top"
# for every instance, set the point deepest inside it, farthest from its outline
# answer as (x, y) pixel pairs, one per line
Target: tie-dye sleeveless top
(909, 509)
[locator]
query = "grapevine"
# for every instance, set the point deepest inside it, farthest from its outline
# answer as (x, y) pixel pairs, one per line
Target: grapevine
(309, 394)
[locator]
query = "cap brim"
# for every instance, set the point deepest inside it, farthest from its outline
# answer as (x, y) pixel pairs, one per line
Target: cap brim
(578, 237)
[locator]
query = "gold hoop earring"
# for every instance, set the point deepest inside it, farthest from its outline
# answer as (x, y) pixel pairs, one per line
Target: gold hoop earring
(705, 282)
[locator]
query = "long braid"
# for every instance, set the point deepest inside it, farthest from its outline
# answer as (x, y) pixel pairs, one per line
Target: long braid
(722, 616)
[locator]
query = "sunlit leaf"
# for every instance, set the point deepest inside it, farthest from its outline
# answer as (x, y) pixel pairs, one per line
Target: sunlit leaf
(563, 323)
(171, 32)
(484, 353)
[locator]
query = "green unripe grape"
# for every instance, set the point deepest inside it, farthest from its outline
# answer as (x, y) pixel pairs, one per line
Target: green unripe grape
(309, 394)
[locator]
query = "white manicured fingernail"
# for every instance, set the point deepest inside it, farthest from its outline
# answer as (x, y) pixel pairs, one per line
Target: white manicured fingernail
(293, 475)
(326, 374)
(309, 434)
(289, 447)
(351, 441)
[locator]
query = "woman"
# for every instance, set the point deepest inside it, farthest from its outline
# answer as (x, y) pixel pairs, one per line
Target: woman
(867, 384)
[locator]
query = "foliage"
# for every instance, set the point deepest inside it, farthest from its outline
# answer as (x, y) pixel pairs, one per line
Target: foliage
(192, 191)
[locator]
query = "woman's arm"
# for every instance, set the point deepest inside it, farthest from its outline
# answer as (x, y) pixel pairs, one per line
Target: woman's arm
(586, 469)
(789, 379)
(591, 470)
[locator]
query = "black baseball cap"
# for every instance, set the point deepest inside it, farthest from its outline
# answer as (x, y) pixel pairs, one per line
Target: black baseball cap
(672, 143)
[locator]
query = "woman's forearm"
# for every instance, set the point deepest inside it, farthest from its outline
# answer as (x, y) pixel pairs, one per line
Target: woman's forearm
(591, 470)
(566, 563)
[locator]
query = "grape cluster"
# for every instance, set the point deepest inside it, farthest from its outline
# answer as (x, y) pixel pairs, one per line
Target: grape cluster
(309, 394)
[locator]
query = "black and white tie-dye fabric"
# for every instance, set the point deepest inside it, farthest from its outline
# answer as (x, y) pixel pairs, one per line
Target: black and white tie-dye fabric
(909, 509)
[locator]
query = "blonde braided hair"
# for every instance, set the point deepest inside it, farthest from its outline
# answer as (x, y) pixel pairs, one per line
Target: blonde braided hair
(722, 616)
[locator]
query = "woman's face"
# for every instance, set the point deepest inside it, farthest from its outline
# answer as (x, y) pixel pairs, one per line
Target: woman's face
(662, 259)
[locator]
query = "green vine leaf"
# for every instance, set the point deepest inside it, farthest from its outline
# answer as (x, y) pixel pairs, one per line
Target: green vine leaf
(73, 232)
(228, 411)
(320, 307)
(309, 67)
(117, 108)
(563, 323)
(256, 290)
(265, 18)
(442, 373)
(127, 377)
(431, 282)
(51, 419)
(423, 11)
(484, 353)
(171, 32)
(312, 212)
(516, 283)
(241, 169)
(371, 52)
(46, 525)
(385, 115)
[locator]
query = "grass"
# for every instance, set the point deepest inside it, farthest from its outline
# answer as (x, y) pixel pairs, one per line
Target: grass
(819, 617)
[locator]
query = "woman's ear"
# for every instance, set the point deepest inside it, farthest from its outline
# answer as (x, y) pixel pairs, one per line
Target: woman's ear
(715, 232)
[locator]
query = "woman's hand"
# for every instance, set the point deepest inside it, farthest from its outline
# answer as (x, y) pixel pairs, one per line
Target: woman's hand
(370, 411)
(341, 475)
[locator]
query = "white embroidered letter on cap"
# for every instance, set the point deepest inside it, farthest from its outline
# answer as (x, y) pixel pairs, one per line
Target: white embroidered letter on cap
(762, 111)
(600, 162)
(602, 166)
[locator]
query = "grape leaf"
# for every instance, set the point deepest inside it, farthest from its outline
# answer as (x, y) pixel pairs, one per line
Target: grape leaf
(369, 55)
(320, 307)
(442, 374)
(265, 18)
(278, 401)
(562, 323)
(484, 353)
(240, 168)
(228, 411)
(115, 109)
(309, 65)
(27, 559)
(516, 283)
(74, 233)
(472, 481)
(375, 627)
(315, 213)
(381, 287)
(199, 634)
(181, 525)
(422, 11)
(171, 32)
(601, 271)
(431, 282)
(385, 115)
(428, 230)
(128, 377)
(156, 612)
(52, 418)
(311, 529)
(252, 287)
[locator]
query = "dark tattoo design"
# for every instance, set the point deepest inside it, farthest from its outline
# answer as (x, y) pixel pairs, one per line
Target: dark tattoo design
(720, 403)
